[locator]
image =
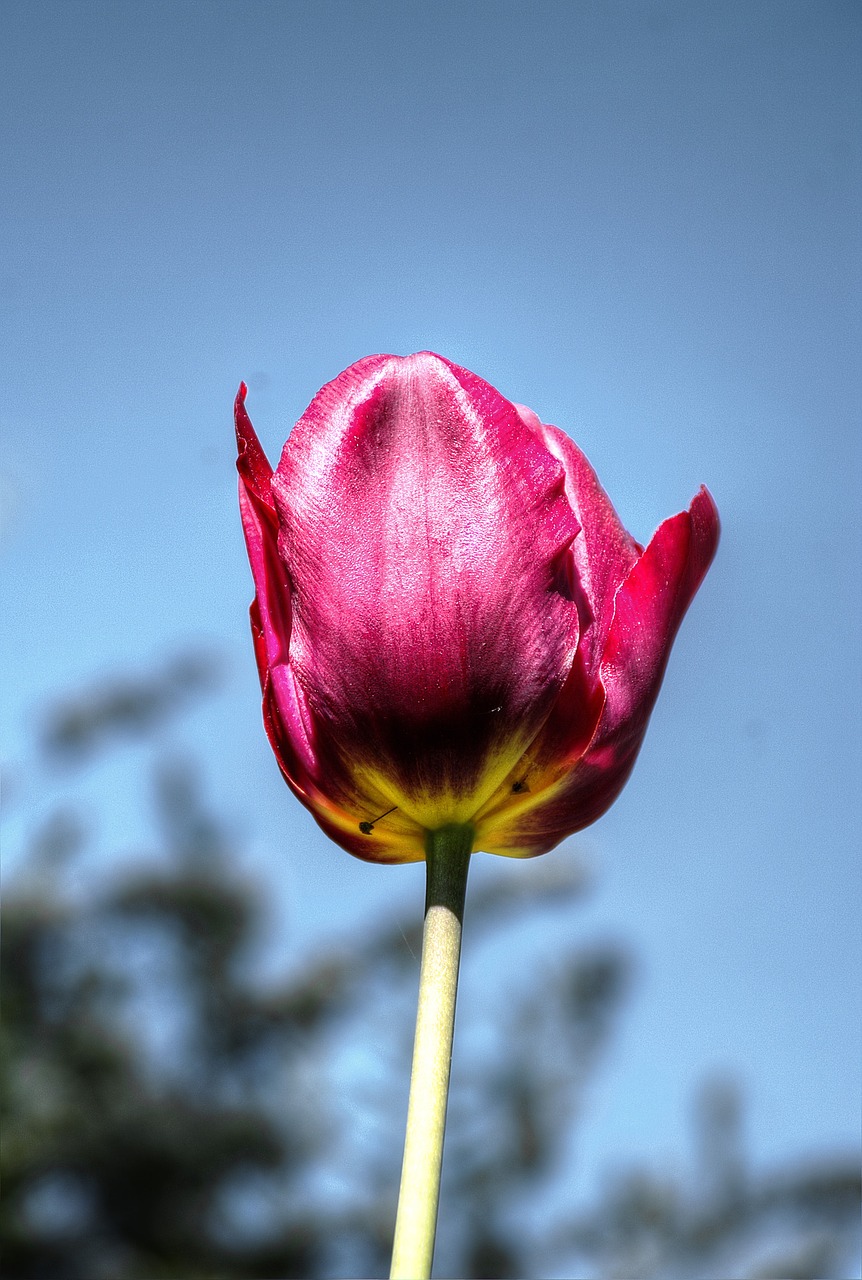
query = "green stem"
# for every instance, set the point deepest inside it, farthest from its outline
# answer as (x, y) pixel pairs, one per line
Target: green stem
(447, 857)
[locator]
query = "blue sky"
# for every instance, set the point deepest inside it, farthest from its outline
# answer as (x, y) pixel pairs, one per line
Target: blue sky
(641, 219)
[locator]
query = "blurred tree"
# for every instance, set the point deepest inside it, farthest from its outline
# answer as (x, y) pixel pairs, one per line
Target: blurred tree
(167, 1115)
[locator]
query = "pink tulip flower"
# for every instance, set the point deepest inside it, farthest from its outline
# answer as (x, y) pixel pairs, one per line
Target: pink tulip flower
(451, 624)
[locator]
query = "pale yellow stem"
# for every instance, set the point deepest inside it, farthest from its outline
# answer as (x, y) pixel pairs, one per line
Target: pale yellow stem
(447, 860)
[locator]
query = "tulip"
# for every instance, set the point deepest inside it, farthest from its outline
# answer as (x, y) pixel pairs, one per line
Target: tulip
(452, 627)
(459, 648)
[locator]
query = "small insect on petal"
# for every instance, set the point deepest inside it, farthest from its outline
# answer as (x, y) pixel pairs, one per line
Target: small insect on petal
(367, 827)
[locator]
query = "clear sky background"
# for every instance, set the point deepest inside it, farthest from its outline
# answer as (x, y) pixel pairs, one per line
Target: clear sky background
(639, 218)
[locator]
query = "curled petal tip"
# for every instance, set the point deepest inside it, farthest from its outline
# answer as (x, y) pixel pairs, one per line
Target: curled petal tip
(704, 503)
(252, 463)
(241, 419)
(239, 401)
(705, 528)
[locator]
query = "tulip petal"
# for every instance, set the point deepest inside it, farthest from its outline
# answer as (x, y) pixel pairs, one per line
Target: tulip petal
(425, 531)
(314, 774)
(649, 608)
(271, 610)
(602, 558)
(604, 553)
(251, 463)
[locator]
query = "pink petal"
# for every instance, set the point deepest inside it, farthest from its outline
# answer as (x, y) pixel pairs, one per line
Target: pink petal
(312, 769)
(604, 553)
(271, 619)
(648, 611)
(251, 463)
(649, 608)
(426, 532)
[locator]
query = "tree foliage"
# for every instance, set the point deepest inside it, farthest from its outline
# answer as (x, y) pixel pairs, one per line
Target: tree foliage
(168, 1114)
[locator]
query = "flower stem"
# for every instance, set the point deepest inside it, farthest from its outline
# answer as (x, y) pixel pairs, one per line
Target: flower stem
(447, 858)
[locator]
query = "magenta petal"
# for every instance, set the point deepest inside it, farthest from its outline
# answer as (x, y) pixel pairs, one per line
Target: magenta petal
(271, 619)
(315, 773)
(260, 526)
(251, 463)
(649, 608)
(603, 554)
(426, 531)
